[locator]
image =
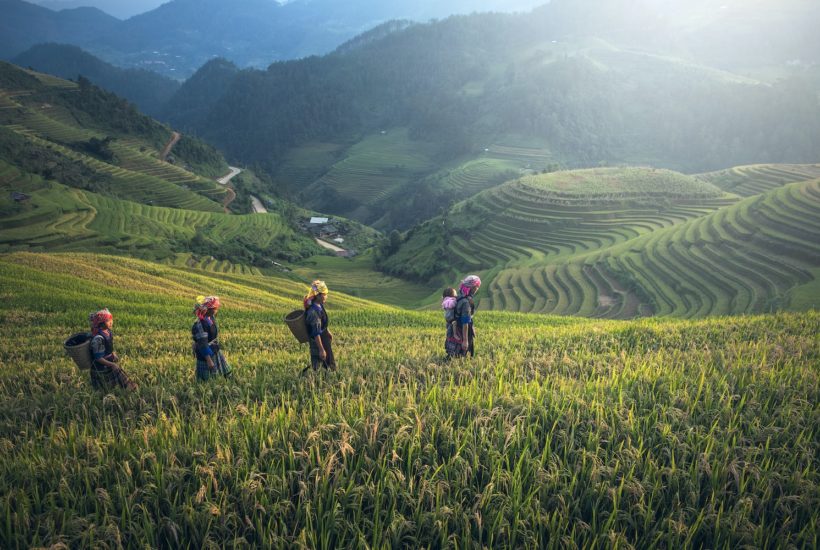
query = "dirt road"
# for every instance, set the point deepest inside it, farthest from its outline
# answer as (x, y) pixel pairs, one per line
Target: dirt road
(333, 247)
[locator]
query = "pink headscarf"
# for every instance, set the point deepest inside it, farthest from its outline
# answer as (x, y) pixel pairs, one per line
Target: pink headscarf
(469, 283)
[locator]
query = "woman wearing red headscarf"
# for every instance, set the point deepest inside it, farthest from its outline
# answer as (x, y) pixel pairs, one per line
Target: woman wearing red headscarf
(106, 372)
(209, 359)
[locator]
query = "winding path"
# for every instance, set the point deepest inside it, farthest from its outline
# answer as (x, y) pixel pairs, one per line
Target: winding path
(234, 171)
(175, 137)
(258, 207)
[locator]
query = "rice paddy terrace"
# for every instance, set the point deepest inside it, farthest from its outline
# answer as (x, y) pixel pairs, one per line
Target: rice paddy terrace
(760, 254)
(753, 180)
(546, 217)
(560, 432)
(541, 219)
(624, 243)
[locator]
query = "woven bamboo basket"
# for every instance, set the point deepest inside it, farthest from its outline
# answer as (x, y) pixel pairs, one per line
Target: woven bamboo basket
(78, 347)
(295, 320)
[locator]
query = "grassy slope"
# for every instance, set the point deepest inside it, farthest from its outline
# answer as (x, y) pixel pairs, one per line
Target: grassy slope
(648, 432)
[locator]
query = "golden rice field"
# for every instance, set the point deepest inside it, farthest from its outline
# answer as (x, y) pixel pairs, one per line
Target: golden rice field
(560, 433)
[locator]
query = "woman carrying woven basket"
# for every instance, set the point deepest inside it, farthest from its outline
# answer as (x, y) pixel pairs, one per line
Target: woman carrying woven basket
(106, 372)
(316, 321)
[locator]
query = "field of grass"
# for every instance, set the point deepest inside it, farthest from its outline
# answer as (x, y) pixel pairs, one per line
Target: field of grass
(560, 433)
(746, 258)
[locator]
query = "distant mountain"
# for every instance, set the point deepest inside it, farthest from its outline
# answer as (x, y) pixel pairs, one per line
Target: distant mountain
(23, 25)
(149, 91)
(386, 130)
(117, 8)
(178, 37)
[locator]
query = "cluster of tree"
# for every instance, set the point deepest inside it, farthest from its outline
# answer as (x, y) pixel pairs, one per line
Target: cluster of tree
(199, 157)
(249, 249)
(50, 164)
(98, 148)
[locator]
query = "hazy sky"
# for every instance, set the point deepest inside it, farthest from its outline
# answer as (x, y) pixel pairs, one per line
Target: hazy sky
(128, 8)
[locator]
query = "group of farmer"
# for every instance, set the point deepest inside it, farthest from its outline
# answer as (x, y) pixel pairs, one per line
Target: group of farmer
(106, 372)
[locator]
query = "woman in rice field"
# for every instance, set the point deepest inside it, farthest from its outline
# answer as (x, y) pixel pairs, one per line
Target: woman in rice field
(321, 349)
(205, 333)
(460, 333)
(106, 372)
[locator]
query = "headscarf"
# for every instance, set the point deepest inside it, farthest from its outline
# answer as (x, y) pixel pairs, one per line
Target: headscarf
(470, 282)
(316, 287)
(99, 318)
(203, 304)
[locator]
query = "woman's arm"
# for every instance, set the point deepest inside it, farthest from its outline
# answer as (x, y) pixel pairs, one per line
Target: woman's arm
(322, 352)
(107, 363)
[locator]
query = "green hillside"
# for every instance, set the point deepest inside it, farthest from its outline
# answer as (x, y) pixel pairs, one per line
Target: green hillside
(761, 254)
(590, 432)
(46, 122)
(391, 180)
(56, 217)
(539, 219)
(89, 175)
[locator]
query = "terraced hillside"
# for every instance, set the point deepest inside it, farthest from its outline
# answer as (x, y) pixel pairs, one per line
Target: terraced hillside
(56, 217)
(87, 126)
(759, 178)
(541, 219)
(368, 174)
(376, 177)
(761, 254)
(560, 431)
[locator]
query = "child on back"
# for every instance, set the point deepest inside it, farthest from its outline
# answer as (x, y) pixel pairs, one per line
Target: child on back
(448, 304)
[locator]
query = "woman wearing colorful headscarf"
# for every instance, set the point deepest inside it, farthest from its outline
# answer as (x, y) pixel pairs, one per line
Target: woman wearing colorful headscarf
(106, 372)
(316, 322)
(461, 338)
(205, 333)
